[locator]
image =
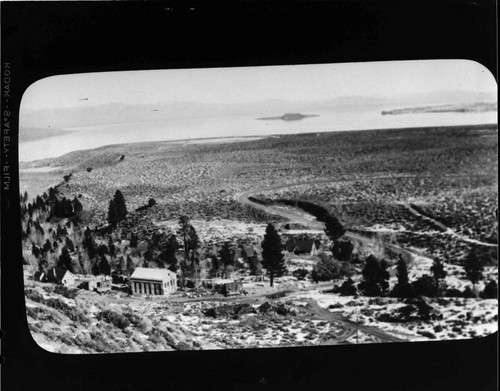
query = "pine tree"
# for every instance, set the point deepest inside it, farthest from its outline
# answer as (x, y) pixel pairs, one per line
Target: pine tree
(375, 277)
(473, 267)
(104, 266)
(190, 241)
(112, 248)
(170, 253)
(65, 259)
(77, 205)
(403, 287)
(215, 266)
(95, 268)
(121, 207)
(225, 255)
(272, 256)
(438, 272)
(402, 271)
(88, 243)
(133, 240)
(113, 216)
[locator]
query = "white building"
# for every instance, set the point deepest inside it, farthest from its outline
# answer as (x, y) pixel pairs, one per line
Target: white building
(147, 281)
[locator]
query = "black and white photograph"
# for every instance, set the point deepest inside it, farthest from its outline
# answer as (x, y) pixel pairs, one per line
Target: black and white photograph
(249, 195)
(260, 207)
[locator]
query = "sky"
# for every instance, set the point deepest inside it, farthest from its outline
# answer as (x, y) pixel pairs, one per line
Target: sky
(254, 84)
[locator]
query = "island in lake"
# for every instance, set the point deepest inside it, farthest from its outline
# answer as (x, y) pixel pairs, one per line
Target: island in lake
(290, 116)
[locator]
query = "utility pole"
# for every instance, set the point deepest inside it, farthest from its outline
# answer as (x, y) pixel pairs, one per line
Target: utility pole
(357, 326)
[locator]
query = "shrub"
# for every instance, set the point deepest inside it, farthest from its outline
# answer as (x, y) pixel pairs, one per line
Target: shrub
(300, 274)
(490, 290)
(72, 313)
(427, 334)
(57, 305)
(347, 288)
(136, 321)
(424, 286)
(452, 292)
(116, 319)
(64, 291)
(183, 346)
(325, 270)
(33, 295)
(468, 293)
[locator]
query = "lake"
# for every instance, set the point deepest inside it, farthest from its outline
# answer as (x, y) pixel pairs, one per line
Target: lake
(239, 125)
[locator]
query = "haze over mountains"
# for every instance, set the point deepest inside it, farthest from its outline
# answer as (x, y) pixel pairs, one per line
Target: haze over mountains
(33, 122)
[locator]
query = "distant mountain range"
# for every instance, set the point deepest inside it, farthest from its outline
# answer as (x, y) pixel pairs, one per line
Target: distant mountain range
(119, 113)
(454, 108)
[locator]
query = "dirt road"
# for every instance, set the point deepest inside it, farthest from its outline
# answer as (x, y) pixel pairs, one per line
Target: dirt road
(447, 229)
(351, 326)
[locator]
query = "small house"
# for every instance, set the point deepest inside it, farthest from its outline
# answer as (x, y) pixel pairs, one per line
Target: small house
(302, 246)
(61, 275)
(150, 281)
(98, 284)
(226, 287)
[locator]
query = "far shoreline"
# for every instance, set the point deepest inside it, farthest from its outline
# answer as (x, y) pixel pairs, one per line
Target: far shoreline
(32, 164)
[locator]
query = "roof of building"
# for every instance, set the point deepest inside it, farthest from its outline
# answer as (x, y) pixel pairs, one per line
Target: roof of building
(142, 273)
(304, 245)
(222, 281)
(60, 272)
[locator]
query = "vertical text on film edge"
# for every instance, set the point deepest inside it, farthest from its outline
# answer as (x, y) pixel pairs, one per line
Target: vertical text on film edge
(6, 114)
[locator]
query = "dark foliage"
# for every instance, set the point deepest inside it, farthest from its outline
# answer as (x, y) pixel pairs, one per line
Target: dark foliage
(226, 255)
(490, 290)
(133, 240)
(473, 267)
(403, 288)
(65, 260)
(255, 265)
(104, 266)
(375, 277)
(424, 286)
(272, 256)
(347, 288)
(326, 269)
(438, 272)
(342, 250)
(114, 318)
(333, 228)
(300, 274)
(169, 253)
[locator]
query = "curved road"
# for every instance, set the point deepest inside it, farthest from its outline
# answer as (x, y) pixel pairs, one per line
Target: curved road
(294, 214)
(303, 218)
